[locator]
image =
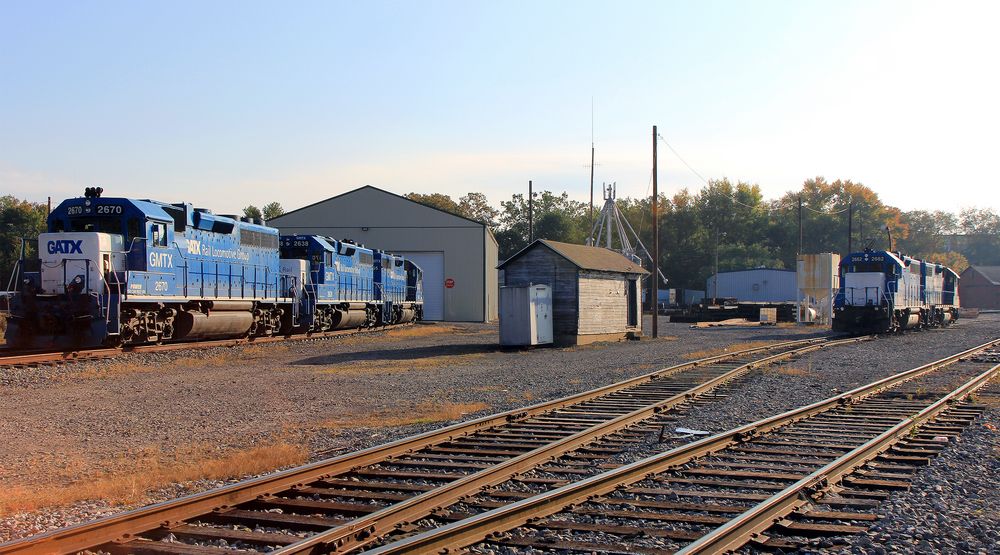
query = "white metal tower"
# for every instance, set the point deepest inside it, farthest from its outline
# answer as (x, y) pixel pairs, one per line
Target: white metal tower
(610, 222)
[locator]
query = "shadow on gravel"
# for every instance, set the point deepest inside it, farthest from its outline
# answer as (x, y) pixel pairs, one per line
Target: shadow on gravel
(402, 354)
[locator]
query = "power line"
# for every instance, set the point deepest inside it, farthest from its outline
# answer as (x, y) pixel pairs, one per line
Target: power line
(732, 197)
(701, 177)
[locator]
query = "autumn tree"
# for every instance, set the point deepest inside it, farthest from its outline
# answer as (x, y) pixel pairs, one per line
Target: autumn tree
(475, 207)
(437, 200)
(953, 260)
(21, 222)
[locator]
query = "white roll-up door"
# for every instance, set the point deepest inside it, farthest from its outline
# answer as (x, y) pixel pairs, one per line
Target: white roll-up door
(432, 263)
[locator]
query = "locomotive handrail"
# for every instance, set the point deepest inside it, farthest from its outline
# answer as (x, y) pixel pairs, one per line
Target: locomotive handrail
(18, 265)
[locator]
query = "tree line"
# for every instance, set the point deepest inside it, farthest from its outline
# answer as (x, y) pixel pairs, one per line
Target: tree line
(748, 230)
(745, 229)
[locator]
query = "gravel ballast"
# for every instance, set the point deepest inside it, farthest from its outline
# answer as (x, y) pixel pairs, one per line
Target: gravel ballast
(236, 398)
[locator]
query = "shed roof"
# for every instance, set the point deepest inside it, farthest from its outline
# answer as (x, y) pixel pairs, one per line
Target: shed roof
(585, 257)
(991, 273)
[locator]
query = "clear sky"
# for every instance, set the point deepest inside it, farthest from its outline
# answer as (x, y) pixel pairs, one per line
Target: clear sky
(229, 103)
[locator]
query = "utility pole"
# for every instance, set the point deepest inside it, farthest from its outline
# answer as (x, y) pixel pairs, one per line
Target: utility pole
(715, 290)
(531, 223)
(850, 226)
(861, 230)
(49, 209)
(800, 224)
(654, 276)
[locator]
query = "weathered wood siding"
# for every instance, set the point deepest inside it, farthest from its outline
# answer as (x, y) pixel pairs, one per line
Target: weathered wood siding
(542, 266)
(603, 303)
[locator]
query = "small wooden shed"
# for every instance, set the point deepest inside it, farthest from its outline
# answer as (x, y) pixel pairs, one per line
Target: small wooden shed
(596, 292)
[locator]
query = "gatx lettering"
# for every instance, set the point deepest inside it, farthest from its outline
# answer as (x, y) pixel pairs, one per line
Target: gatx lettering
(66, 246)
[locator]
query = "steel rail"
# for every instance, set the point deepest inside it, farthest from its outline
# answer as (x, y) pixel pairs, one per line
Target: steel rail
(756, 520)
(479, 527)
(131, 523)
(365, 529)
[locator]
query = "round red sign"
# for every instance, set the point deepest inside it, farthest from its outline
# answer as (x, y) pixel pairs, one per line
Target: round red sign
(449, 283)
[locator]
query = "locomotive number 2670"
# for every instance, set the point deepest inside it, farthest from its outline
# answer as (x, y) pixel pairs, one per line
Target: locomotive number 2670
(109, 209)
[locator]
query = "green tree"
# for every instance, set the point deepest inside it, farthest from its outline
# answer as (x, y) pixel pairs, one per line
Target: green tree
(19, 219)
(981, 228)
(272, 210)
(437, 200)
(252, 212)
(569, 225)
(926, 231)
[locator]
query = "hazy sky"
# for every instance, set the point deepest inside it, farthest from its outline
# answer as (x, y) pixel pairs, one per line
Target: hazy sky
(228, 103)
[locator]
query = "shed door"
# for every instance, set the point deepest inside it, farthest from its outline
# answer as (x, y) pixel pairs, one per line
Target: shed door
(432, 263)
(630, 297)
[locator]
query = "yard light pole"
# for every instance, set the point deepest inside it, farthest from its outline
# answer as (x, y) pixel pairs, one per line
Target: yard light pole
(654, 278)
(715, 293)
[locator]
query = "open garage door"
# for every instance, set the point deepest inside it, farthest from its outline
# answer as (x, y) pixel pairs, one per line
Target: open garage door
(432, 263)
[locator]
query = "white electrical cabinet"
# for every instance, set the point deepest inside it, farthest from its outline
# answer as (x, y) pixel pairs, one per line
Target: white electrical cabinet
(525, 315)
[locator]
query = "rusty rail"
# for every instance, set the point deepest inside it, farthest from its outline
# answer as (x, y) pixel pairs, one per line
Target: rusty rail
(126, 525)
(744, 527)
(362, 530)
(57, 357)
(482, 526)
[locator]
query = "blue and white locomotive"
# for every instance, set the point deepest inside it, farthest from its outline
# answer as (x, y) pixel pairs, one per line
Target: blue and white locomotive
(344, 284)
(882, 291)
(120, 271)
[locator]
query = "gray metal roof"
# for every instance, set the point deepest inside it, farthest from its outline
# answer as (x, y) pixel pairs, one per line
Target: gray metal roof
(991, 273)
(586, 258)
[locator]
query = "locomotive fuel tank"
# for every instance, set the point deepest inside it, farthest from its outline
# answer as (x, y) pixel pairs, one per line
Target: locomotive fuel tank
(215, 325)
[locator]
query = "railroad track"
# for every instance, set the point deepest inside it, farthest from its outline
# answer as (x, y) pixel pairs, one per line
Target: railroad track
(349, 501)
(17, 358)
(816, 471)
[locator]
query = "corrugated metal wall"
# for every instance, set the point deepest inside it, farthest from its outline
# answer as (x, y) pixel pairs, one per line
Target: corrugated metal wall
(757, 285)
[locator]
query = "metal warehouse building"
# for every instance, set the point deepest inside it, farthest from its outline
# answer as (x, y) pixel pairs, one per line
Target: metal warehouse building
(765, 285)
(979, 287)
(458, 255)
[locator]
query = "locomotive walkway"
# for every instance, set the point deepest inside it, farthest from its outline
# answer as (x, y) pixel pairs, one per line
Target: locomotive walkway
(349, 501)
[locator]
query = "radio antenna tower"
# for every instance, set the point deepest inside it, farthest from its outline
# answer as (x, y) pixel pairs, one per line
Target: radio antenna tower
(610, 222)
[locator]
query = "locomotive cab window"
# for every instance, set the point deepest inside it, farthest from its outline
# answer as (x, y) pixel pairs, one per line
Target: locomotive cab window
(92, 223)
(158, 234)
